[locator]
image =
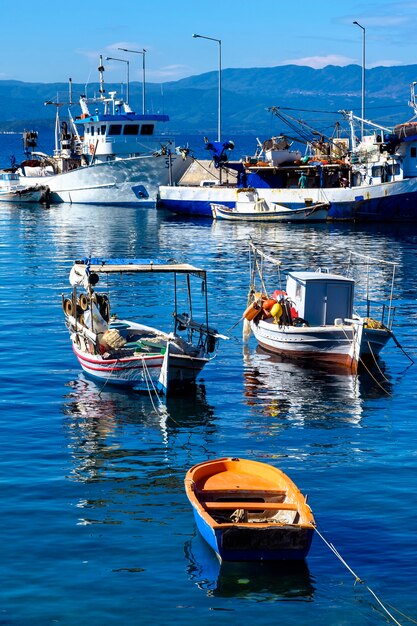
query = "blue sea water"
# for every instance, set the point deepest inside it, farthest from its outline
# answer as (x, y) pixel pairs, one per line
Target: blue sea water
(96, 528)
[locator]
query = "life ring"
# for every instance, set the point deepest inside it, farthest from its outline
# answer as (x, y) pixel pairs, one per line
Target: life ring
(103, 306)
(67, 306)
(92, 148)
(83, 302)
(105, 310)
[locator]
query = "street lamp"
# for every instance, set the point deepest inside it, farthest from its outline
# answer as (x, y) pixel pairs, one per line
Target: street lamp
(142, 52)
(219, 41)
(127, 83)
(363, 74)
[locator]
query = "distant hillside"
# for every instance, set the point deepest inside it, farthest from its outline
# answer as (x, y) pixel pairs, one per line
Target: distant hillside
(191, 102)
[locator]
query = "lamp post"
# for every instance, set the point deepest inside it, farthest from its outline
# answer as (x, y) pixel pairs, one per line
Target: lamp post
(363, 73)
(219, 41)
(127, 83)
(142, 52)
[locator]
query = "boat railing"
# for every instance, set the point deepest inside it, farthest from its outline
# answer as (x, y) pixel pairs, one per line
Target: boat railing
(185, 321)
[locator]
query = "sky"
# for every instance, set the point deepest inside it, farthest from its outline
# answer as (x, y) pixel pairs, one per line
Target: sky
(50, 41)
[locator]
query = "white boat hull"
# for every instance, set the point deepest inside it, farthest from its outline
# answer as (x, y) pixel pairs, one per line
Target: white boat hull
(140, 372)
(331, 344)
(129, 181)
(20, 196)
(248, 212)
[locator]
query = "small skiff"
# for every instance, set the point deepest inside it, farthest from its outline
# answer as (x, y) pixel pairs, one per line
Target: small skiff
(249, 511)
(261, 211)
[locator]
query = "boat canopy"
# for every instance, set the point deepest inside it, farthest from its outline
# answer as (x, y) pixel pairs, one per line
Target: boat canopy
(122, 265)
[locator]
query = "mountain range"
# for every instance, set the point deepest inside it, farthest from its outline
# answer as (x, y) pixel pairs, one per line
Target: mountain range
(192, 103)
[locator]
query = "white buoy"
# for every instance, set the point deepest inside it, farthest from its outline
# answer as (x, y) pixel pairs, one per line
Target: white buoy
(246, 330)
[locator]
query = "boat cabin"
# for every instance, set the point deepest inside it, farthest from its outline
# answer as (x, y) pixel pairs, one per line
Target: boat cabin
(321, 298)
(117, 132)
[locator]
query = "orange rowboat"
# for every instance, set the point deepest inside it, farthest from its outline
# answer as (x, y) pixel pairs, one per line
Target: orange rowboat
(249, 511)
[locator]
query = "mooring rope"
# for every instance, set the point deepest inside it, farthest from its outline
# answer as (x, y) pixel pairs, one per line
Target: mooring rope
(148, 378)
(107, 379)
(359, 580)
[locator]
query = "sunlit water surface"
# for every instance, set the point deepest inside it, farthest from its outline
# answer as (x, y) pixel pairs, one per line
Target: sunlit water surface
(96, 528)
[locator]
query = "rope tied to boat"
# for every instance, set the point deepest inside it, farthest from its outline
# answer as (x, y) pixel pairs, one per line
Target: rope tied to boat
(361, 581)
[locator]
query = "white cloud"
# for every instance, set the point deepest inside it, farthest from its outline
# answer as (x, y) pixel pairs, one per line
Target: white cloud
(169, 72)
(318, 62)
(384, 20)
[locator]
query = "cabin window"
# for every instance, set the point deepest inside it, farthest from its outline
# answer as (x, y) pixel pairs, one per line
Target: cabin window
(394, 169)
(131, 129)
(413, 152)
(147, 129)
(92, 130)
(103, 129)
(98, 130)
(115, 129)
(376, 171)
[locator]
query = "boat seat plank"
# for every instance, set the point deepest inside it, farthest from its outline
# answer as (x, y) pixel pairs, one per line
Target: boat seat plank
(250, 493)
(251, 506)
(230, 479)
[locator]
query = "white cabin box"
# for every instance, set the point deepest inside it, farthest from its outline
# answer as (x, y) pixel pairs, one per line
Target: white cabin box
(321, 298)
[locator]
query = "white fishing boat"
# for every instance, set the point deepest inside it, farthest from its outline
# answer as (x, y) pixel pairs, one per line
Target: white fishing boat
(372, 179)
(132, 354)
(261, 211)
(314, 317)
(12, 191)
(108, 154)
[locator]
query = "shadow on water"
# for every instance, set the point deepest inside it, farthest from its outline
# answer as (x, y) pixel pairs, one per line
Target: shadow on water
(281, 387)
(276, 581)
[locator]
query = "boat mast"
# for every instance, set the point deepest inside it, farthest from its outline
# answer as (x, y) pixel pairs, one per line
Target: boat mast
(56, 151)
(412, 103)
(102, 91)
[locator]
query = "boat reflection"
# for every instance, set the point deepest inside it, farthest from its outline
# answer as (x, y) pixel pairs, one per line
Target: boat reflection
(105, 407)
(250, 580)
(283, 388)
(110, 423)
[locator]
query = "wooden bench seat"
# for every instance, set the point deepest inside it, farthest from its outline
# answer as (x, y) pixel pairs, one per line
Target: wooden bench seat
(251, 506)
(249, 493)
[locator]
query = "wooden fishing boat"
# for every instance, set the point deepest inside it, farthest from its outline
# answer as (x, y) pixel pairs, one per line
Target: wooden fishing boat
(12, 191)
(249, 511)
(261, 211)
(314, 317)
(123, 352)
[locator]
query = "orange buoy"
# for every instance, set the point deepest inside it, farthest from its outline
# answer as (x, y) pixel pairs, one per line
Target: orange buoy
(268, 304)
(252, 311)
